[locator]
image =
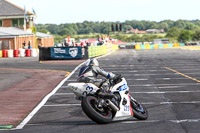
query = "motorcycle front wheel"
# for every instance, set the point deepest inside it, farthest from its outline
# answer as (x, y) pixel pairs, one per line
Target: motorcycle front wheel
(102, 115)
(139, 111)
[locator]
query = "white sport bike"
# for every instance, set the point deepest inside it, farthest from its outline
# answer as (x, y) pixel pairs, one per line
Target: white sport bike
(104, 105)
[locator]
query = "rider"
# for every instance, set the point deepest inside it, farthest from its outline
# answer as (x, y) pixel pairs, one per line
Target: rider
(90, 70)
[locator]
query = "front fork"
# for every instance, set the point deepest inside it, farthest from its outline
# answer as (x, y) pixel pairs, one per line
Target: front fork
(137, 106)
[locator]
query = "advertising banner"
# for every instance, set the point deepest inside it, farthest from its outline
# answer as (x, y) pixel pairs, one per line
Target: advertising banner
(66, 53)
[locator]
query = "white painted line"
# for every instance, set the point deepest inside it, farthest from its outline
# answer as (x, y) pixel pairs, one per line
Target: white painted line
(163, 103)
(168, 78)
(35, 110)
(145, 103)
(137, 79)
(180, 84)
(156, 70)
(182, 65)
(186, 120)
(151, 74)
(142, 70)
(187, 69)
(124, 71)
(165, 92)
(170, 87)
(173, 121)
(143, 85)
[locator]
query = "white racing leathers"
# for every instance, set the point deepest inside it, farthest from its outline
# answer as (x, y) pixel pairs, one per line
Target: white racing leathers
(88, 74)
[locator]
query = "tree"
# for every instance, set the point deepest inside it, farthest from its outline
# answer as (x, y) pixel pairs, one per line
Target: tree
(164, 25)
(197, 35)
(185, 35)
(173, 33)
(66, 32)
(44, 31)
(191, 26)
(127, 27)
(180, 24)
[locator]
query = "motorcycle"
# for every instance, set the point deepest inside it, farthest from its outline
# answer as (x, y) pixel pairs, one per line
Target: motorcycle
(104, 105)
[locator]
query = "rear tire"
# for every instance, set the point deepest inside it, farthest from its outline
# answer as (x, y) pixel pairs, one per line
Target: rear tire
(90, 108)
(139, 111)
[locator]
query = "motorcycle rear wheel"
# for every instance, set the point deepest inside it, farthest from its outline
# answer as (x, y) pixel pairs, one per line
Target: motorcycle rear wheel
(89, 106)
(139, 111)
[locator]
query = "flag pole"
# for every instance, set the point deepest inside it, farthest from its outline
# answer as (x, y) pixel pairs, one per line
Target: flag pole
(24, 18)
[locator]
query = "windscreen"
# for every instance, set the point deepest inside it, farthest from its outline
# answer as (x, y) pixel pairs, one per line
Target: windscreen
(83, 70)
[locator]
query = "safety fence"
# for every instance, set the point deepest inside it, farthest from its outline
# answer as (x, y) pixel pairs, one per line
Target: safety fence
(95, 51)
(18, 53)
(158, 46)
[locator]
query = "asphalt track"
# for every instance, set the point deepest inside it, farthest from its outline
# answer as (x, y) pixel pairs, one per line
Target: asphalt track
(166, 81)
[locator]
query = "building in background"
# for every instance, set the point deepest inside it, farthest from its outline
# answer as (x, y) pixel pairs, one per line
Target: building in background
(13, 38)
(14, 16)
(44, 40)
(155, 31)
(136, 31)
(16, 26)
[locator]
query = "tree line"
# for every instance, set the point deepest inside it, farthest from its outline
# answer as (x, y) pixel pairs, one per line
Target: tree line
(180, 30)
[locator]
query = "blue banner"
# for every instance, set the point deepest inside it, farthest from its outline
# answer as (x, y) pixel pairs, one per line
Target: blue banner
(66, 53)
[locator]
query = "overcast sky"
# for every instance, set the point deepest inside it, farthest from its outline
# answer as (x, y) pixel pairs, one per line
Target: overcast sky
(72, 11)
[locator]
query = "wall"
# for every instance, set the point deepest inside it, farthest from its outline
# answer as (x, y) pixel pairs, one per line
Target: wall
(20, 40)
(7, 23)
(16, 42)
(46, 42)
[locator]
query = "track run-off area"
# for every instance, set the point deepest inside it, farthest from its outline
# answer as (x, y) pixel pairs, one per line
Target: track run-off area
(166, 81)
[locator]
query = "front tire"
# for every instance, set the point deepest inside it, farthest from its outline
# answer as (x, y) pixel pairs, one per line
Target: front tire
(139, 111)
(89, 106)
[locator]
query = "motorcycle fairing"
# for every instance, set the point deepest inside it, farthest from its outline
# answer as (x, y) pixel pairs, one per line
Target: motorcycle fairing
(125, 110)
(82, 89)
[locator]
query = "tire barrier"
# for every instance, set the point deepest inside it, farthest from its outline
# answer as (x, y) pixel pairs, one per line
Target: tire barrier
(28, 52)
(158, 46)
(16, 53)
(33, 52)
(161, 46)
(1, 53)
(22, 52)
(5, 53)
(137, 46)
(10, 53)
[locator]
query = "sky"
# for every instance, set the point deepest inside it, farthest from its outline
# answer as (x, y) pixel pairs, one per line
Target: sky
(73, 11)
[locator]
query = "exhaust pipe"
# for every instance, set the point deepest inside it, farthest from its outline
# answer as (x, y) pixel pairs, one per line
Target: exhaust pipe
(112, 105)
